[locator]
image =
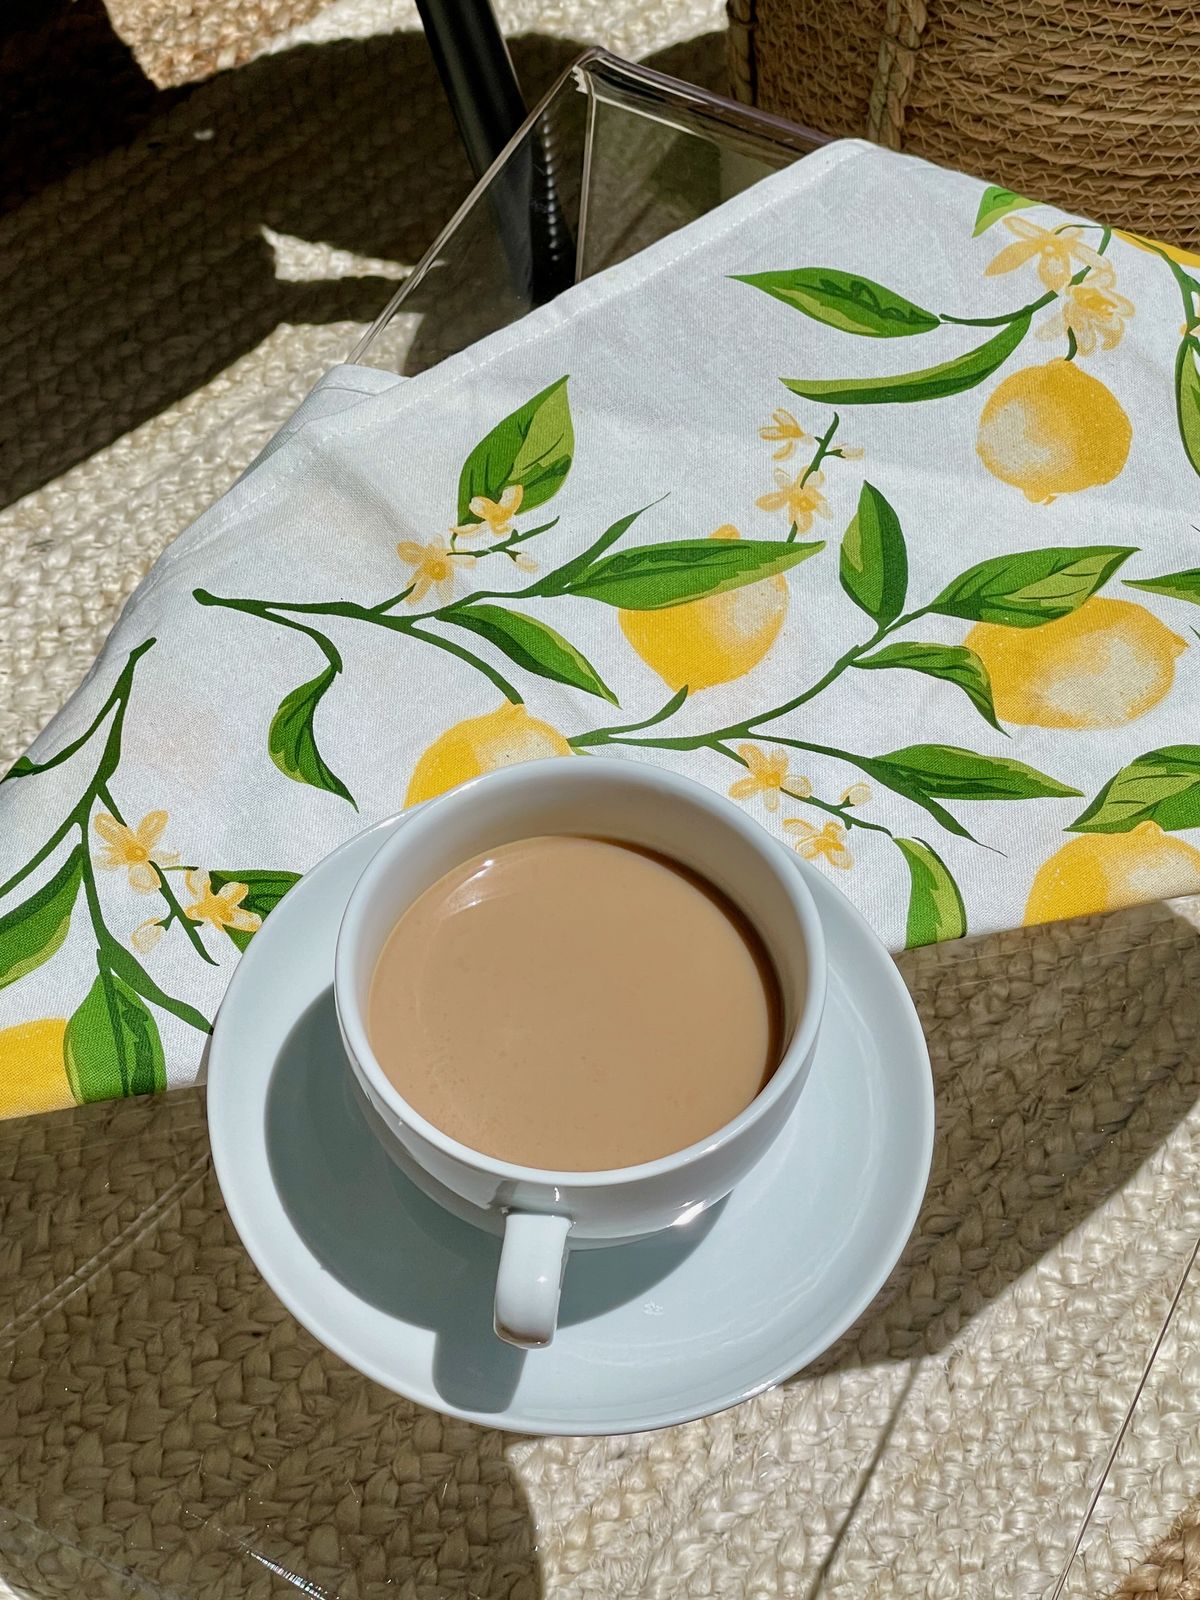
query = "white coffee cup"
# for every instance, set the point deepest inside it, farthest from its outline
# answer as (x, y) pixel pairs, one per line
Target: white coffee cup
(542, 1213)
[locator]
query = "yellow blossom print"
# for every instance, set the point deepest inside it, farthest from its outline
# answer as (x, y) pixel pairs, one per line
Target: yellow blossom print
(784, 430)
(802, 501)
(856, 795)
(1058, 255)
(767, 775)
(222, 909)
(522, 561)
(435, 565)
(827, 843)
(134, 850)
(495, 516)
(1093, 314)
(146, 935)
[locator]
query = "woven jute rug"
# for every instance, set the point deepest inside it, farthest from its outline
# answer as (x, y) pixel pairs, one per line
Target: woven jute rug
(177, 41)
(167, 1430)
(181, 41)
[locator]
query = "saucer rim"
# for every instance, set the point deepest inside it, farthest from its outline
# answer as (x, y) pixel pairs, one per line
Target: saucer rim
(511, 1419)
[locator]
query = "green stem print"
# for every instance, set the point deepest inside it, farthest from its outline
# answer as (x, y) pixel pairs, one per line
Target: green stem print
(1187, 372)
(825, 447)
(857, 305)
(111, 1044)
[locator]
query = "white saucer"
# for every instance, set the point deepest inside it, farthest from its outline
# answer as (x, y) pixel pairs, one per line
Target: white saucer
(657, 1332)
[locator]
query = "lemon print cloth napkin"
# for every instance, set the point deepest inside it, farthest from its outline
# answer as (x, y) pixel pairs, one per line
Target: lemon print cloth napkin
(869, 500)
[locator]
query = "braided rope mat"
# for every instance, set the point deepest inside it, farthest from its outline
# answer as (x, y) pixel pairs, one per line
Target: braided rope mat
(178, 41)
(633, 28)
(181, 41)
(166, 1428)
(1170, 1569)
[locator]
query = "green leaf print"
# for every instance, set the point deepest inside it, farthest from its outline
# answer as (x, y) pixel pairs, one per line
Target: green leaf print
(902, 782)
(844, 300)
(267, 887)
(558, 581)
(996, 203)
(292, 744)
(1176, 585)
(129, 969)
(951, 663)
(930, 383)
(1187, 398)
(946, 772)
(935, 906)
(1162, 786)
(655, 576)
(1031, 587)
(532, 645)
(532, 447)
(112, 1046)
(31, 932)
(874, 560)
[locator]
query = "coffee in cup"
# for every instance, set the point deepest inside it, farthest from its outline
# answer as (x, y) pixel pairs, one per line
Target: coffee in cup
(575, 1003)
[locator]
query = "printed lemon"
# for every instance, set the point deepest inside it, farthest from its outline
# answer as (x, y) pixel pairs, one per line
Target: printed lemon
(1176, 252)
(714, 640)
(32, 1074)
(1053, 430)
(481, 744)
(1102, 666)
(1102, 871)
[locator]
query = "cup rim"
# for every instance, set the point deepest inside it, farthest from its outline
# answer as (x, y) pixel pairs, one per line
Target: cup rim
(789, 871)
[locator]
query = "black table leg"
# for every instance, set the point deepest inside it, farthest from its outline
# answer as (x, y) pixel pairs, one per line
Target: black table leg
(485, 98)
(477, 74)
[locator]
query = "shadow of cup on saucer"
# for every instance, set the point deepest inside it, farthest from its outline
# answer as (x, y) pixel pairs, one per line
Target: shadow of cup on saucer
(373, 1230)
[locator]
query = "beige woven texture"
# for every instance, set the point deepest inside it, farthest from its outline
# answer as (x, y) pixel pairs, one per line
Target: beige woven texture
(166, 1428)
(1092, 104)
(182, 41)
(177, 41)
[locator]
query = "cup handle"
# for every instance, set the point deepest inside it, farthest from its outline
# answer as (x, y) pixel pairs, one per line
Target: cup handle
(529, 1278)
